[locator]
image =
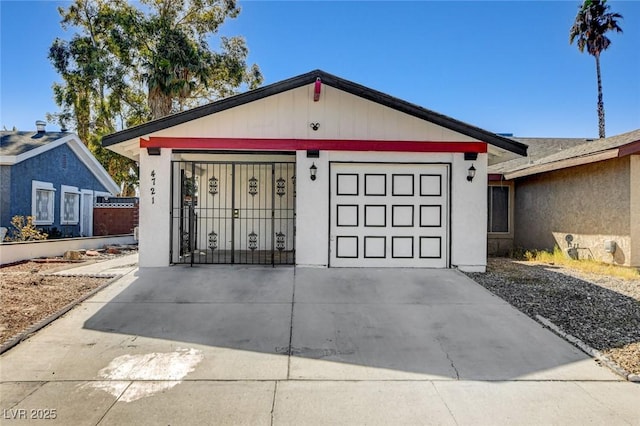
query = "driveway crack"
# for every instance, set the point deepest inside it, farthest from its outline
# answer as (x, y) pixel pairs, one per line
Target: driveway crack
(273, 403)
(446, 353)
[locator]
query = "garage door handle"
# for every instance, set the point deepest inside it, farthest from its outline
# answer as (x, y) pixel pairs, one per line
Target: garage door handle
(236, 213)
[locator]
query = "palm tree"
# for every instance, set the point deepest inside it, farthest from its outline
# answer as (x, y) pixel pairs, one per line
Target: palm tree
(592, 23)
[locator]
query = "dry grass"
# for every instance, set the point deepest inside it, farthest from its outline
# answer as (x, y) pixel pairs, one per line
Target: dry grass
(558, 257)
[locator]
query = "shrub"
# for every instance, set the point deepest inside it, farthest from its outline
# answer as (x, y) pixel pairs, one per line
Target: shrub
(25, 230)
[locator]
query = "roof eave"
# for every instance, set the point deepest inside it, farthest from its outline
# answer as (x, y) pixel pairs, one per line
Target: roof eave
(617, 152)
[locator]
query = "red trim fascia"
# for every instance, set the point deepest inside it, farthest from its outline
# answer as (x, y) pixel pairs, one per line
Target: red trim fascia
(495, 177)
(304, 144)
(629, 149)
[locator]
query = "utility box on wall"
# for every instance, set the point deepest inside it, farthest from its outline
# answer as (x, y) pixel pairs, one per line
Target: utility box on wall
(115, 215)
(610, 246)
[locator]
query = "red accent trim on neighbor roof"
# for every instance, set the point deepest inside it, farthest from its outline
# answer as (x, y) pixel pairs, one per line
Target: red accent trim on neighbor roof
(304, 144)
(495, 177)
(629, 149)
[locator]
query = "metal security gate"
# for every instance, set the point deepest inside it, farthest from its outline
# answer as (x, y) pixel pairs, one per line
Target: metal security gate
(233, 213)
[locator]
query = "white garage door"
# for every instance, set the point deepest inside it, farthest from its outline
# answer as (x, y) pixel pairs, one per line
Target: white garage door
(389, 215)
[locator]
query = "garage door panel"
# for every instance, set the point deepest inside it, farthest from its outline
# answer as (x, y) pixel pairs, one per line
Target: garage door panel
(430, 247)
(402, 247)
(430, 185)
(347, 184)
(402, 216)
(375, 184)
(347, 215)
(375, 247)
(402, 185)
(389, 214)
(347, 247)
(375, 215)
(430, 216)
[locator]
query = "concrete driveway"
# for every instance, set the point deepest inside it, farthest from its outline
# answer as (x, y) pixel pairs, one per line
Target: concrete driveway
(249, 345)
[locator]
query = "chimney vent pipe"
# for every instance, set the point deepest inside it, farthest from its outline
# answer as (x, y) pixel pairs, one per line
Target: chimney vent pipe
(40, 125)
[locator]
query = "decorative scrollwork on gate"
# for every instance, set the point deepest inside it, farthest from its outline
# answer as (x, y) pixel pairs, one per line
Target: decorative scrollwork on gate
(213, 185)
(213, 240)
(186, 242)
(280, 241)
(253, 186)
(280, 186)
(253, 241)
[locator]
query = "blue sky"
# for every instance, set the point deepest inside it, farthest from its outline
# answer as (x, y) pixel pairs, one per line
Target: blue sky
(505, 66)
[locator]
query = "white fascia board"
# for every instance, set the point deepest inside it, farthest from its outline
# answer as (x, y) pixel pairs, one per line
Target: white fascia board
(92, 163)
(7, 160)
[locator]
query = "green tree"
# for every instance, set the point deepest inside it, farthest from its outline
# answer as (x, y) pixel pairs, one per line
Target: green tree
(127, 65)
(592, 22)
(97, 91)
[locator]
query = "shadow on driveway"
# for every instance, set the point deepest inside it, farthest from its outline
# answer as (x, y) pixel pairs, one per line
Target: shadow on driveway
(368, 323)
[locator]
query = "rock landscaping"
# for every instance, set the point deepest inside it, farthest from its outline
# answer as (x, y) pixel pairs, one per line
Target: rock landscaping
(600, 310)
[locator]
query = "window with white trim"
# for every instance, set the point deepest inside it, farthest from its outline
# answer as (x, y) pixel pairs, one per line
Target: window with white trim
(498, 203)
(70, 205)
(42, 202)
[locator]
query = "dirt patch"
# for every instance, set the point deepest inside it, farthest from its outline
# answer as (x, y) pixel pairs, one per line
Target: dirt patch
(29, 293)
(602, 311)
(28, 298)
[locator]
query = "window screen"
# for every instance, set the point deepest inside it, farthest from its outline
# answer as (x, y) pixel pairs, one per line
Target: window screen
(498, 201)
(44, 205)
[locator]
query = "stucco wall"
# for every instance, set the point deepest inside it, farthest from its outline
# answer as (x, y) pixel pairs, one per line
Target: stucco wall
(589, 202)
(468, 206)
(50, 166)
(634, 165)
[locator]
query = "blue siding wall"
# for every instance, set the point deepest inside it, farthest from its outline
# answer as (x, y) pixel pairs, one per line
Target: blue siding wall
(5, 195)
(50, 166)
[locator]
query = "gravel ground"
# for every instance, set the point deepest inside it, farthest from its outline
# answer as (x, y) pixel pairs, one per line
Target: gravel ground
(602, 311)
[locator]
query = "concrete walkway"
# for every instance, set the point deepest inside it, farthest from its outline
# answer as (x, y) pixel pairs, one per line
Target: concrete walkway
(261, 346)
(117, 266)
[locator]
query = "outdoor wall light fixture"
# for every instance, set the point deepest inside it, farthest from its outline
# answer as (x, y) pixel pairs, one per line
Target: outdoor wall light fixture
(471, 173)
(312, 171)
(153, 150)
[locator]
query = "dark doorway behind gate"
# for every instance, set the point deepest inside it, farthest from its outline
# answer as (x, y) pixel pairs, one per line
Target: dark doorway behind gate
(233, 212)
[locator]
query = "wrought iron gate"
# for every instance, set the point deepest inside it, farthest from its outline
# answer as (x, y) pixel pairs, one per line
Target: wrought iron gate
(233, 212)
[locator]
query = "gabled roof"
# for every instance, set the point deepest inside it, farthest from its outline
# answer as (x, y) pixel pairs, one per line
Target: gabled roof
(16, 143)
(563, 153)
(16, 147)
(309, 78)
(538, 148)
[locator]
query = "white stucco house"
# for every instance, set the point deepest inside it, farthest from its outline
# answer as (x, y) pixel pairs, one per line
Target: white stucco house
(317, 171)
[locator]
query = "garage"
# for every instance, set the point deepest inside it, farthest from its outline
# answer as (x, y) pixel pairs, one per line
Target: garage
(389, 215)
(313, 171)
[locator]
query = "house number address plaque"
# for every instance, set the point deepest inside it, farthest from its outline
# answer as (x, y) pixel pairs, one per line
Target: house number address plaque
(153, 187)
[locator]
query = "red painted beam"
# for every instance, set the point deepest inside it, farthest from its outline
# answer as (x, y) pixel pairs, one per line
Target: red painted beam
(629, 149)
(249, 144)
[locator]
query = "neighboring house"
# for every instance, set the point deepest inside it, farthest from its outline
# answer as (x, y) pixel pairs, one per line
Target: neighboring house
(53, 177)
(314, 170)
(578, 194)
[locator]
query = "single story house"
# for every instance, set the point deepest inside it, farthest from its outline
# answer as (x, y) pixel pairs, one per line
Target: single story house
(313, 170)
(53, 177)
(578, 194)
